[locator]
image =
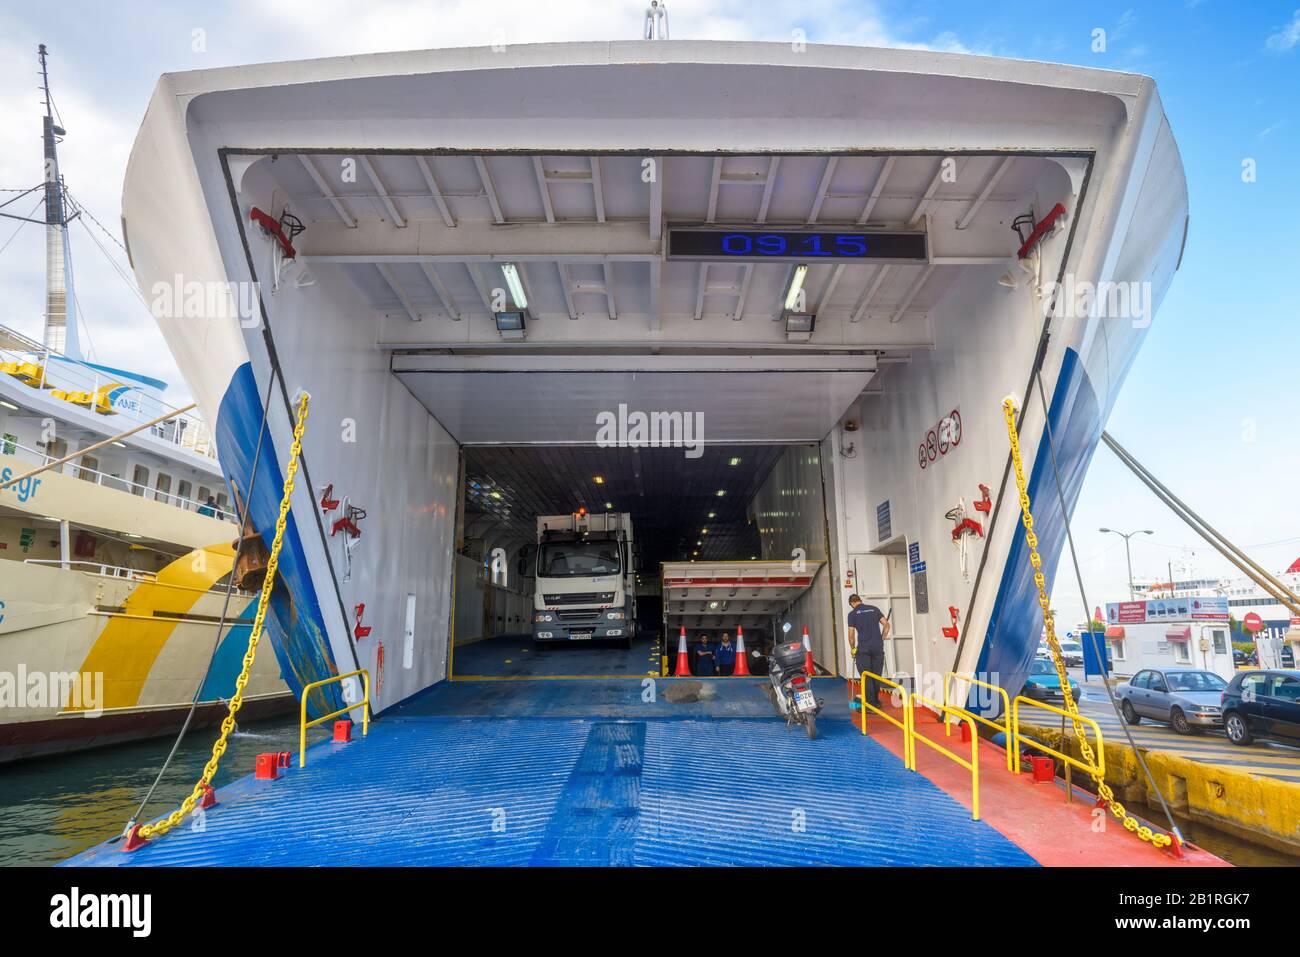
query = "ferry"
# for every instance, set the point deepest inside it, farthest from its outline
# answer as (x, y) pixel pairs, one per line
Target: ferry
(489, 284)
(114, 615)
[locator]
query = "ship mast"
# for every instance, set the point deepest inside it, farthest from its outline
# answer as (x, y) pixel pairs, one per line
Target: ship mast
(60, 302)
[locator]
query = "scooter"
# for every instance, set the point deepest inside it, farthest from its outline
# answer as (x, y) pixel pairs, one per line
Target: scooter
(791, 688)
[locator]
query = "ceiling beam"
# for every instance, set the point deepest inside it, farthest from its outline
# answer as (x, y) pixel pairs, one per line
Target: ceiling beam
(344, 214)
(435, 191)
(989, 186)
(598, 189)
(334, 242)
(609, 291)
(540, 172)
(768, 185)
(387, 272)
(398, 219)
(886, 168)
(744, 291)
(912, 292)
(431, 273)
(867, 294)
(714, 182)
(657, 199)
(489, 188)
(827, 175)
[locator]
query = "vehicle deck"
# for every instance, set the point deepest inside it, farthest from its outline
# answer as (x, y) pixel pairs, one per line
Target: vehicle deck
(590, 772)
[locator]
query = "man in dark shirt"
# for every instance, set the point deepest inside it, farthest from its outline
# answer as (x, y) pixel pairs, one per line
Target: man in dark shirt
(868, 629)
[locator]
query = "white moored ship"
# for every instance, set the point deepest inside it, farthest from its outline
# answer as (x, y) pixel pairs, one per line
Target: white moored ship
(837, 260)
(114, 618)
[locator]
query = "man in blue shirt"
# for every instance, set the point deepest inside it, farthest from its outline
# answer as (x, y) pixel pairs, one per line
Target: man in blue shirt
(868, 629)
(705, 666)
(725, 656)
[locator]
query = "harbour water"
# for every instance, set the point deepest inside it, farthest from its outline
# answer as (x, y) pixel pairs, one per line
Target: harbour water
(53, 808)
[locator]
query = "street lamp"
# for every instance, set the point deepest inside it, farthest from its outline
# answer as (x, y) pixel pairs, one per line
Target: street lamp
(1127, 555)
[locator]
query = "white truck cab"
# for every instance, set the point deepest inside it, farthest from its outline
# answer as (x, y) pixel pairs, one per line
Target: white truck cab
(586, 581)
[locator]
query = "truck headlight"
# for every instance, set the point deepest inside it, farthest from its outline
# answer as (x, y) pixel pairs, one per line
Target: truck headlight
(543, 616)
(614, 615)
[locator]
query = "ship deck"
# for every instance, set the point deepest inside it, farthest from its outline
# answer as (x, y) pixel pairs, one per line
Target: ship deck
(590, 772)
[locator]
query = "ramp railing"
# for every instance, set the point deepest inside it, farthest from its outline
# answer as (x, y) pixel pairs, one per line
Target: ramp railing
(304, 724)
(973, 765)
(988, 722)
(905, 725)
(1097, 770)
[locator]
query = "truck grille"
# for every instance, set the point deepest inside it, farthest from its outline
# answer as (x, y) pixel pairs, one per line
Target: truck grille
(579, 598)
(583, 616)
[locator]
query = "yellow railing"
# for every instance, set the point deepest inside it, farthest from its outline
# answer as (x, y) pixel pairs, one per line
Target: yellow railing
(1006, 710)
(973, 765)
(1097, 771)
(905, 725)
(304, 724)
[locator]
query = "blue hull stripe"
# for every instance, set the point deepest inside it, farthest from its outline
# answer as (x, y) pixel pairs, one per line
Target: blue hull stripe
(1016, 623)
(297, 628)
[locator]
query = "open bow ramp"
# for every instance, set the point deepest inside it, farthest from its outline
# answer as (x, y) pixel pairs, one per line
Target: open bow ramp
(449, 779)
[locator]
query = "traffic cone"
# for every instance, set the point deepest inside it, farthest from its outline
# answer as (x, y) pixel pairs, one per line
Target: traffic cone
(742, 658)
(683, 659)
(807, 654)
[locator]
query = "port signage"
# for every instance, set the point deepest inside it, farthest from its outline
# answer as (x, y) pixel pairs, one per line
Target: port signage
(743, 243)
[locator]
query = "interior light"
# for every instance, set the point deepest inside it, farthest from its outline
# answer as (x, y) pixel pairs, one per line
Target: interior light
(721, 492)
(712, 514)
(609, 504)
(704, 531)
(8, 405)
(120, 445)
(734, 461)
(496, 495)
(799, 326)
(511, 272)
(509, 324)
(796, 286)
(598, 479)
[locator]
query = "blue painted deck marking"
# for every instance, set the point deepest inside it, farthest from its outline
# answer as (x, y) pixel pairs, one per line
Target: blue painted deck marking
(557, 789)
(597, 816)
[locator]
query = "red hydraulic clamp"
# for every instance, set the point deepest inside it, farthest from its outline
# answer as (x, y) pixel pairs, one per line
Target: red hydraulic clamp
(326, 503)
(346, 524)
(273, 227)
(967, 525)
(985, 504)
(1040, 229)
(952, 632)
(361, 630)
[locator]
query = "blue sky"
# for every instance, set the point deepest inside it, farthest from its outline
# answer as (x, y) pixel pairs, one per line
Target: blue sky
(1210, 404)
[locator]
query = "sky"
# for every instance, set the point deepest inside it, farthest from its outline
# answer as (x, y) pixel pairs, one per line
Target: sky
(1210, 403)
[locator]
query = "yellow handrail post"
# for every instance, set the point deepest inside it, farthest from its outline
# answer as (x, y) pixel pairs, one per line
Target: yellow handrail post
(909, 759)
(973, 765)
(1005, 727)
(304, 724)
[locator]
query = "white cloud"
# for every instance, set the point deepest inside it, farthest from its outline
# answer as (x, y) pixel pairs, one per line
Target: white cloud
(1286, 39)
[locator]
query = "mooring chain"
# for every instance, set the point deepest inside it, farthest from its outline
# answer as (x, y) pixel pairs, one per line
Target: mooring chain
(1104, 791)
(264, 601)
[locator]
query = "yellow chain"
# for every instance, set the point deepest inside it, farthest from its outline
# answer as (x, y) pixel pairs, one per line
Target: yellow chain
(237, 699)
(1104, 790)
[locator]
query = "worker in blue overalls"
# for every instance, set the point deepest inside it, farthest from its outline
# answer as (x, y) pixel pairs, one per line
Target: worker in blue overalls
(725, 656)
(705, 663)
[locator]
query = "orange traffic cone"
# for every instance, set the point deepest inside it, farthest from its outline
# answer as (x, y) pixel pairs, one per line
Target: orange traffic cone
(742, 658)
(683, 659)
(807, 654)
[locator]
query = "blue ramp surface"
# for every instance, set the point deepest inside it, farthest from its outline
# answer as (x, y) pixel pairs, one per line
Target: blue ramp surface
(579, 791)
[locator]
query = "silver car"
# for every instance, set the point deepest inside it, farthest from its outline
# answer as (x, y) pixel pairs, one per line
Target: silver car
(1187, 698)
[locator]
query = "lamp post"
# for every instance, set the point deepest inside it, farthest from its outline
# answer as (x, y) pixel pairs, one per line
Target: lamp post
(1128, 557)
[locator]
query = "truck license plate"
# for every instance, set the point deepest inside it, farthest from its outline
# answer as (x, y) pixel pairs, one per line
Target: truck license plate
(580, 635)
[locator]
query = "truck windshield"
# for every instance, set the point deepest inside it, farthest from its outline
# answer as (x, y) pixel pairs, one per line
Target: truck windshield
(576, 559)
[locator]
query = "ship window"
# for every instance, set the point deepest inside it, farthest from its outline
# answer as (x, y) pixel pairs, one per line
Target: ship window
(204, 492)
(87, 465)
(139, 480)
(8, 443)
(164, 485)
(183, 493)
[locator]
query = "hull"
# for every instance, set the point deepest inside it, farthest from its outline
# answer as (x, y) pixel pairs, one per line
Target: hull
(88, 660)
(1106, 154)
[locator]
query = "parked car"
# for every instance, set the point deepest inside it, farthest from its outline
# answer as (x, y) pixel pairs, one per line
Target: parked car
(1262, 704)
(1240, 657)
(1043, 683)
(1187, 698)
(1072, 652)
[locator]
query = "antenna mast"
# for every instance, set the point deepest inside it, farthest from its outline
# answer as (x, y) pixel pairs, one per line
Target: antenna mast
(60, 303)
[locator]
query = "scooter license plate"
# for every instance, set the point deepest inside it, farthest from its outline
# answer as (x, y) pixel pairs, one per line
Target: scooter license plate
(804, 700)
